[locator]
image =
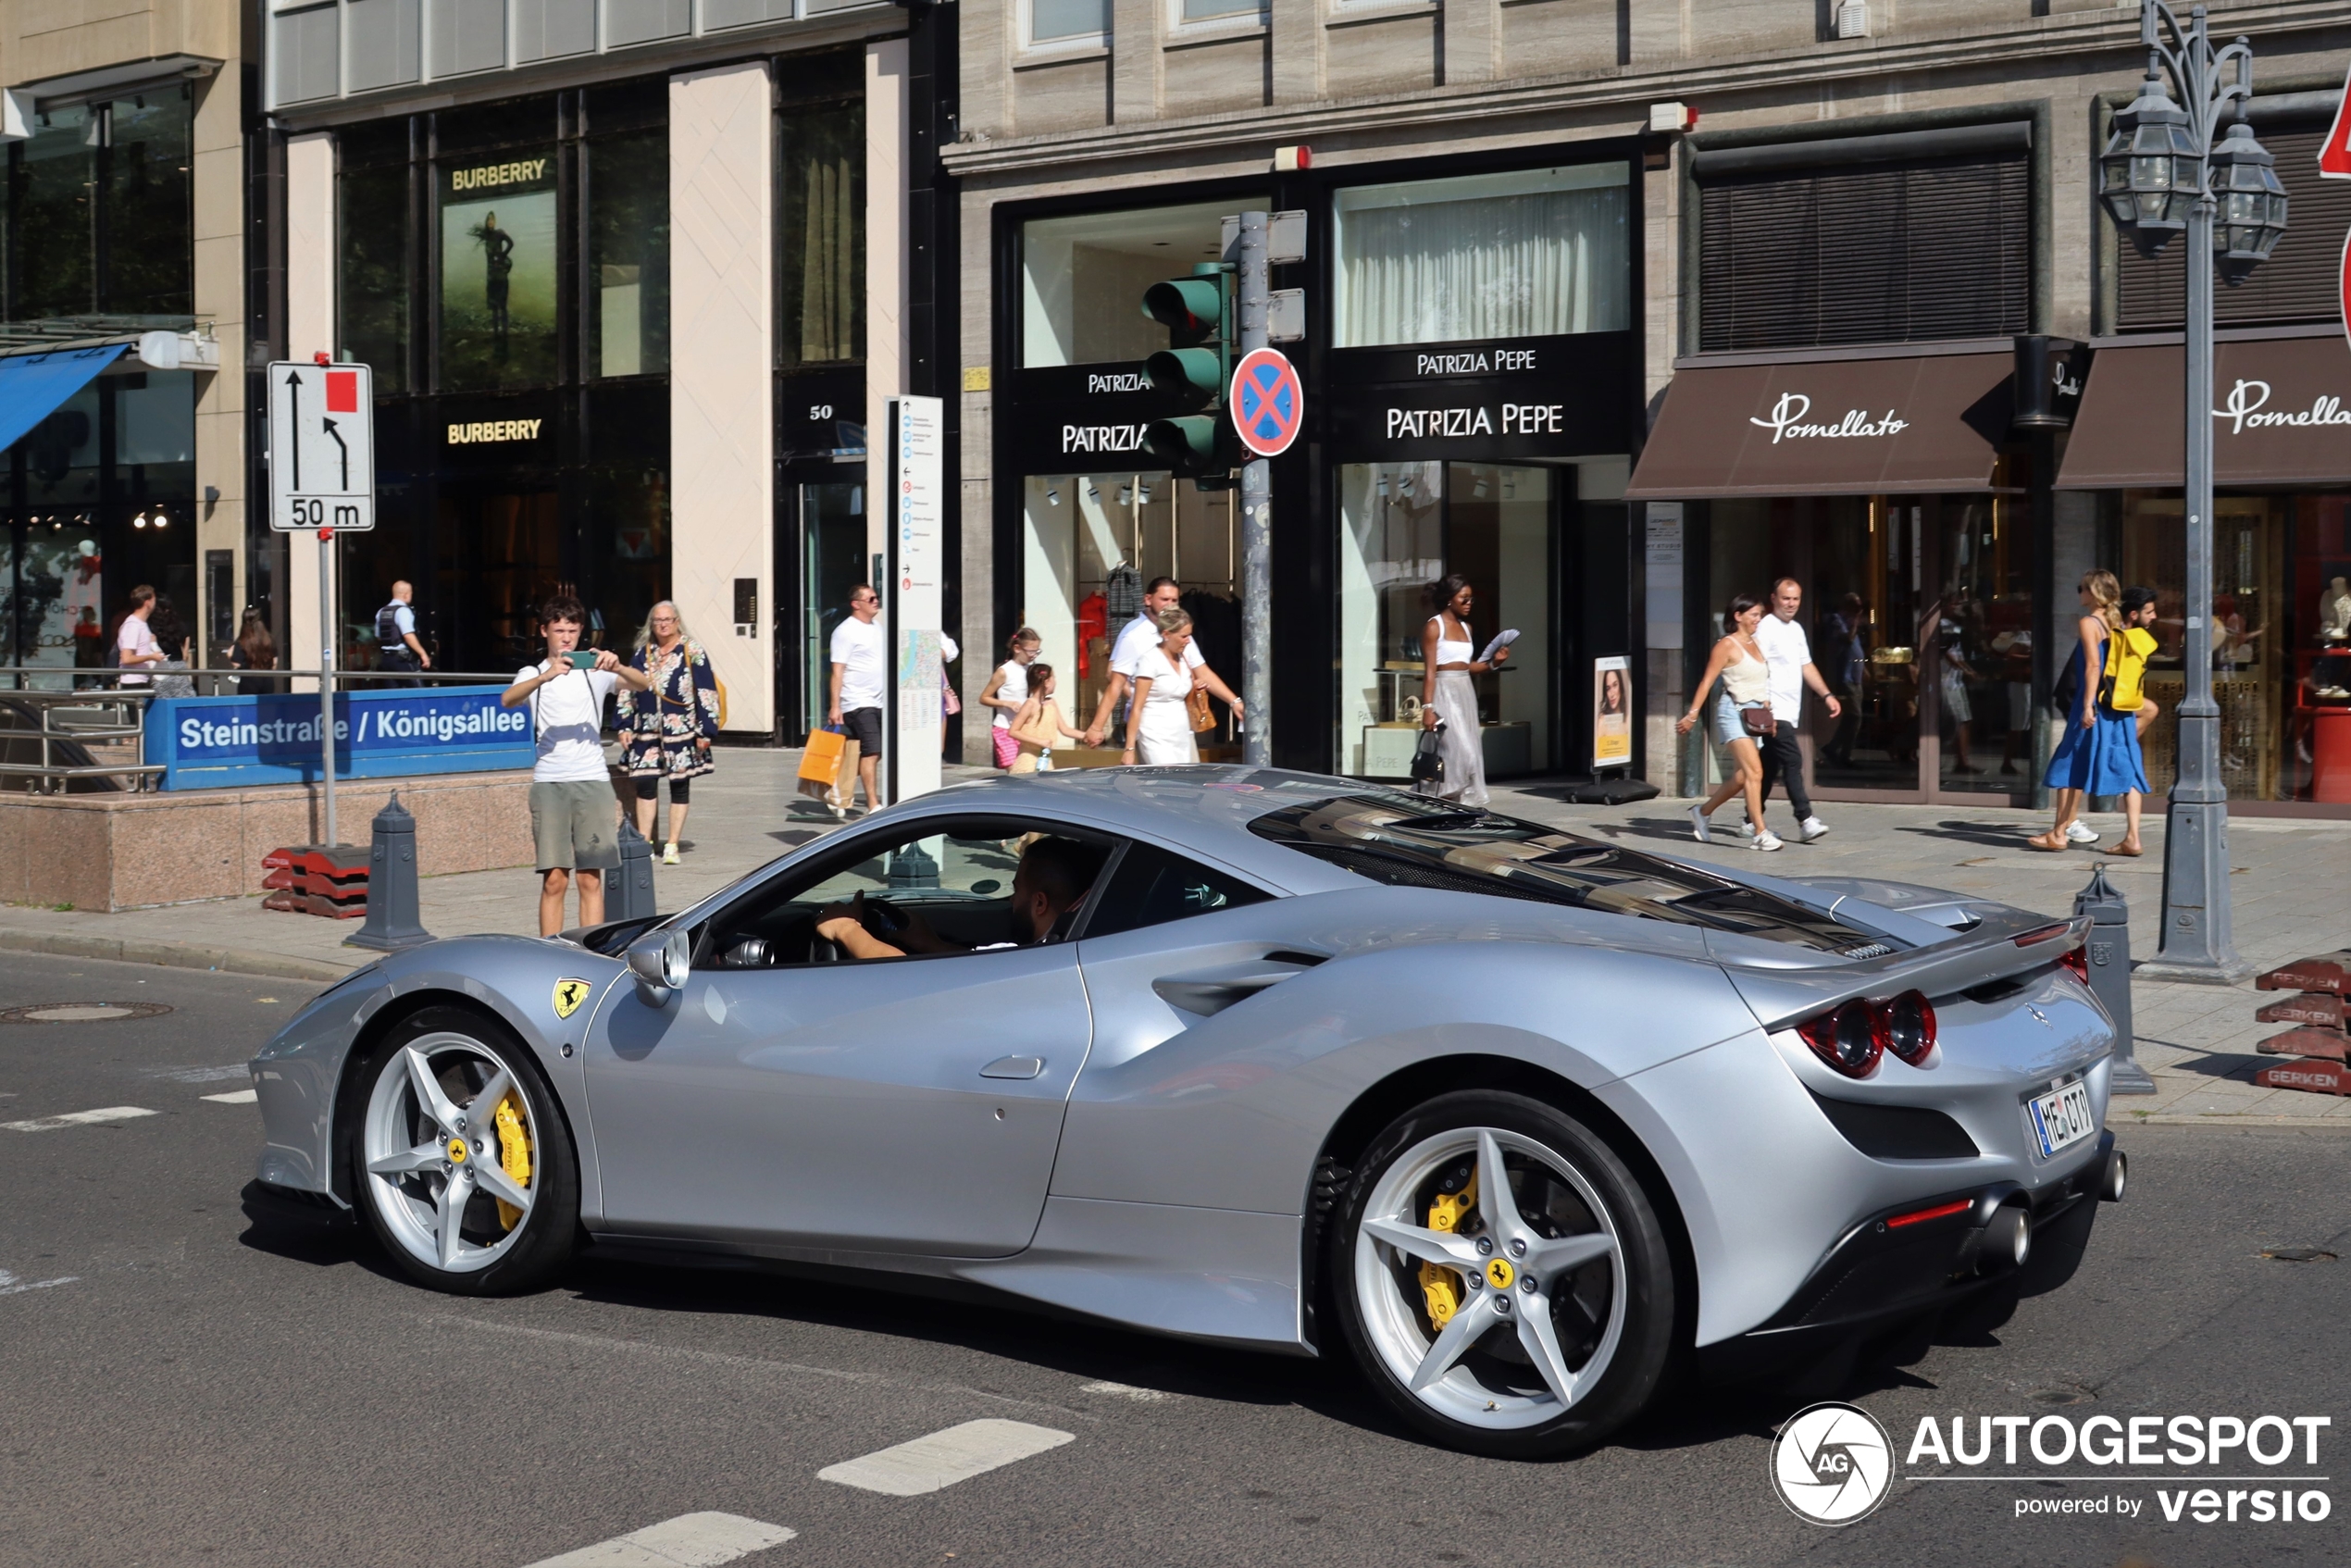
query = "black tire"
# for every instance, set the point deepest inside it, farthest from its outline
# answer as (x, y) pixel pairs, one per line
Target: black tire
(1641, 1276)
(532, 1252)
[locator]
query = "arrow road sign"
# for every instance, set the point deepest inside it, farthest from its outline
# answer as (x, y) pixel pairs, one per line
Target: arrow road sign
(323, 448)
(1268, 405)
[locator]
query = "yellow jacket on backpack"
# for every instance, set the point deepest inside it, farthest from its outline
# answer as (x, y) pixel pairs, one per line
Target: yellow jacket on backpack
(2126, 667)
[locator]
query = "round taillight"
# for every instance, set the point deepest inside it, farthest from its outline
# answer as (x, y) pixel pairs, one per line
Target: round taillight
(1909, 1027)
(1851, 1038)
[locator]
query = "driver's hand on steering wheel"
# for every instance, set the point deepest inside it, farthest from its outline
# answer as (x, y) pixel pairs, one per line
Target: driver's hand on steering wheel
(844, 924)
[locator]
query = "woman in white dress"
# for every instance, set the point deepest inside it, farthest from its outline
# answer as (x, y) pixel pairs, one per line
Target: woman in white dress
(1448, 660)
(1738, 660)
(1158, 722)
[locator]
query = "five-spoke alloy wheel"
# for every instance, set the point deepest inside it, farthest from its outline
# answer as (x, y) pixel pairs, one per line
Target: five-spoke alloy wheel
(1501, 1277)
(461, 1162)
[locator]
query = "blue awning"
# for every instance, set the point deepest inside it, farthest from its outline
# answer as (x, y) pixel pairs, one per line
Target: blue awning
(33, 385)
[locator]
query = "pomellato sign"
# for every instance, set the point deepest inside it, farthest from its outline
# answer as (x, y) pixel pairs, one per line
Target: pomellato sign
(2247, 410)
(1788, 421)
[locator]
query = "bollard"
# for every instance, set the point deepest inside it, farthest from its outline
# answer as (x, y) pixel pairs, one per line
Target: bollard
(392, 922)
(629, 891)
(2108, 951)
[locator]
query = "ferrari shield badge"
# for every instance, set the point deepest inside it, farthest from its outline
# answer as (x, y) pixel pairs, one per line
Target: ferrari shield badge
(569, 994)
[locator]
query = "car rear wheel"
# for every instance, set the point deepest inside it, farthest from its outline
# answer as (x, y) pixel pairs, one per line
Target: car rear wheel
(462, 1164)
(1503, 1279)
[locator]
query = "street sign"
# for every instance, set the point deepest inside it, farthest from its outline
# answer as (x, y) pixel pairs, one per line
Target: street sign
(1268, 405)
(2334, 163)
(322, 447)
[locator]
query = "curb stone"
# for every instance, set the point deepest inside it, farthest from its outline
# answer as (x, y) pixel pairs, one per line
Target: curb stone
(177, 955)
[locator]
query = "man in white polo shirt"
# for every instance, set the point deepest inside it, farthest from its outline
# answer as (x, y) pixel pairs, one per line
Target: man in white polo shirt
(1789, 655)
(1137, 638)
(575, 816)
(861, 665)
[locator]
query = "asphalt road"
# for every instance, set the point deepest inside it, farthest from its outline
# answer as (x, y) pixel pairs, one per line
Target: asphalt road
(178, 1386)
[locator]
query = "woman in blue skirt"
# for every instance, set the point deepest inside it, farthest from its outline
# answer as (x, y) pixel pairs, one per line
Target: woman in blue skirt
(2100, 753)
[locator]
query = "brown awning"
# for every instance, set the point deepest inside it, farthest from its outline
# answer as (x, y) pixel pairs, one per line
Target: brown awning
(2280, 416)
(1846, 427)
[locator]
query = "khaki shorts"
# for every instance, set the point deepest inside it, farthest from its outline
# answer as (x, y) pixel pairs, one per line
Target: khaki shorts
(575, 824)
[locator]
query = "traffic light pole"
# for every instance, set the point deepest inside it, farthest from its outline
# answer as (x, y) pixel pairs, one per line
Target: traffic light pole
(1257, 532)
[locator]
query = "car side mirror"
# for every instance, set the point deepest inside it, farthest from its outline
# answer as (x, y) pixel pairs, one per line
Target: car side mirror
(662, 962)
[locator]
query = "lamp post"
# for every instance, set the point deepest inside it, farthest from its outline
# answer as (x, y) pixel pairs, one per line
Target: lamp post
(2170, 169)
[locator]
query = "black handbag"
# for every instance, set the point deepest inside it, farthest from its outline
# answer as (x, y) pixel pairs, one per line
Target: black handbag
(1428, 763)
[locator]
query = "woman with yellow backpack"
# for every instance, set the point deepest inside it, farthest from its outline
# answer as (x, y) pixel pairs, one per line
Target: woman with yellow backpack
(2100, 753)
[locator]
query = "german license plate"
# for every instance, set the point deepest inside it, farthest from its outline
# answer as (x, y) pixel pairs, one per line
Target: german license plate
(2061, 1117)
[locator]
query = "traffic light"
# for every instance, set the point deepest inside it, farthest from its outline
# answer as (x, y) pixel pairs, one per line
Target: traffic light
(1196, 368)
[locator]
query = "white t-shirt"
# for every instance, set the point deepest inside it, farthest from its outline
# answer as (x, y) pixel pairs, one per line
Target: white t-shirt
(135, 638)
(1141, 636)
(861, 646)
(1786, 650)
(567, 715)
(1014, 691)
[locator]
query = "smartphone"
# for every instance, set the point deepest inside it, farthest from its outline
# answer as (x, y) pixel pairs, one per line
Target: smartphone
(582, 658)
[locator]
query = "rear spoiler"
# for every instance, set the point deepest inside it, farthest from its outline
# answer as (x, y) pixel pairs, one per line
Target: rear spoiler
(2008, 942)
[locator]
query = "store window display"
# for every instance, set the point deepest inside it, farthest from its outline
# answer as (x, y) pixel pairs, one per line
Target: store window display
(1405, 527)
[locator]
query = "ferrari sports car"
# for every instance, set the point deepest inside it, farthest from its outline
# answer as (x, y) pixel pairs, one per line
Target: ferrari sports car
(1517, 1118)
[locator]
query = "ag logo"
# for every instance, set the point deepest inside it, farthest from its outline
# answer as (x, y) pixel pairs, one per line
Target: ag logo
(569, 994)
(1832, 1463)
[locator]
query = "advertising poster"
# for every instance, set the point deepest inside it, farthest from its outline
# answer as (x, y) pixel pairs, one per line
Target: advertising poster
(498, 272)
(1612, 712)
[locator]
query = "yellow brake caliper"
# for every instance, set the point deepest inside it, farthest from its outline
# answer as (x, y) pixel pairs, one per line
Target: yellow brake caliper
(1441, 1286)
(514, 1154)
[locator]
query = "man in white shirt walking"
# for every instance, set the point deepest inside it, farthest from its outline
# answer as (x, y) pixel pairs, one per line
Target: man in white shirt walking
(1789, 655)
(575, 818)
(861, 662)
(1140, 637)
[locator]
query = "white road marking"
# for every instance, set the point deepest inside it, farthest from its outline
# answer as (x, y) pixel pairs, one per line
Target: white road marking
(690, 1540)
(8, 1286)
(234, 1097)
(202, 1075)
(929, 1464)
(80, 1118)
(1128, 1391)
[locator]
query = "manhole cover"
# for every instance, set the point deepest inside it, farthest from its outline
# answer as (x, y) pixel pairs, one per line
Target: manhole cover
(80, 1012)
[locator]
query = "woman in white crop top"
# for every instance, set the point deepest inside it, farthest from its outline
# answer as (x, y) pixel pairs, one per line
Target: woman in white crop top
(1447, 698)
(1738, 662)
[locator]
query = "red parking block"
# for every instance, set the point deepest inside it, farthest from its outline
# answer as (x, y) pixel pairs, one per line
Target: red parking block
(2324, 972)
(2318, 1010)
(311, 903)
(2319, 1077)
(2306, 1043)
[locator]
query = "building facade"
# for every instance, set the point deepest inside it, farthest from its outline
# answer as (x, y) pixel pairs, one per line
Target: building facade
(122, 325)
(635, 283)
(1618, 309)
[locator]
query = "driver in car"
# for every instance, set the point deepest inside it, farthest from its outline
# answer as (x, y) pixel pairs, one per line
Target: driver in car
(1053, 874)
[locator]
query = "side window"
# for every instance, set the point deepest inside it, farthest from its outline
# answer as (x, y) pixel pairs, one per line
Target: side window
(957, 874)
(1152, 886)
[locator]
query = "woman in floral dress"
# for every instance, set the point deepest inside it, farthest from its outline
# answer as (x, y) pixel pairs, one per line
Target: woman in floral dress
(671, 725)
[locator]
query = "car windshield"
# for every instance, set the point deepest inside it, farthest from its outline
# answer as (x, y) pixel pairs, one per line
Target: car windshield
(1406, 841)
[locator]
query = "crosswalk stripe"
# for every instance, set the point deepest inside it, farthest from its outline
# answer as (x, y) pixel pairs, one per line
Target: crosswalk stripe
(690, 1540)
(958, 1453)
(79, 1118)
(234, 1097)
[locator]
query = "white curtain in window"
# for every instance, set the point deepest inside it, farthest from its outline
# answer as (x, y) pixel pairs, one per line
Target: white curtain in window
(1521, 265)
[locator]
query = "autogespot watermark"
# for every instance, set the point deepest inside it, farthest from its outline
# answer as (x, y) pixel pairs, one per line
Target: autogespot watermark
(1834, 1463)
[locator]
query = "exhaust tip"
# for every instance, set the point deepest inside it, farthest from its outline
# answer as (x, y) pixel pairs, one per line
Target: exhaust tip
(2114, 1177)
(2007, 1241)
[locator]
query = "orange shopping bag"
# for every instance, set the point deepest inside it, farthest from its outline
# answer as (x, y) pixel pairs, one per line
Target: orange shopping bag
(821, 762)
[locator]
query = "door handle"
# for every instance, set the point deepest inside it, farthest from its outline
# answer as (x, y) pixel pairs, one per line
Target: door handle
(1014, 1067)
(1208, 992)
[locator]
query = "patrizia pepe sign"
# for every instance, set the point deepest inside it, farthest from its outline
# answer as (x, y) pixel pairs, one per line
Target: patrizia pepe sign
(2247, 410)
(1788, 422)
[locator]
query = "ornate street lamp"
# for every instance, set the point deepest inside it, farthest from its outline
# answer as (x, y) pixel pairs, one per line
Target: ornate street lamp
(2168, 170)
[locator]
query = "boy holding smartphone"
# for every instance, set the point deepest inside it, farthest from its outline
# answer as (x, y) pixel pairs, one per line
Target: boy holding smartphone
(574, 815)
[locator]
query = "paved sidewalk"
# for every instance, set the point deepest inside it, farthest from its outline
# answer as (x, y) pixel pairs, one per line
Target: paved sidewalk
(2196, 1040)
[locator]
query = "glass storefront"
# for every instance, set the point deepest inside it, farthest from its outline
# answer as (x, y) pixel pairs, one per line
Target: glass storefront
(2280, 638)
(1093, 541)
(1919, 611)
(1404, 527)
(99, 211)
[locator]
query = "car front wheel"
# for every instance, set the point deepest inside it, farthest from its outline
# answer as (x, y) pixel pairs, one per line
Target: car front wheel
(1502, 1279)
(462, 1164)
